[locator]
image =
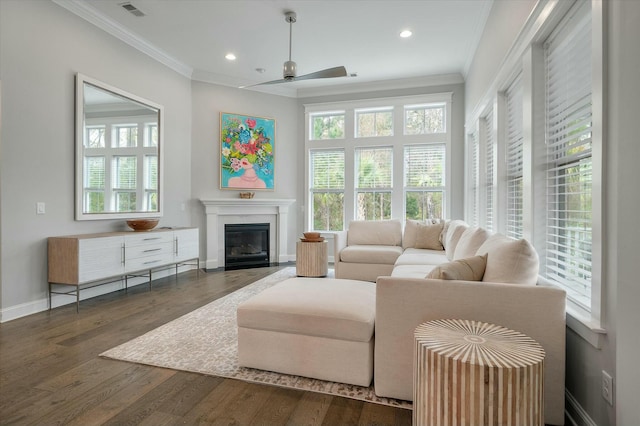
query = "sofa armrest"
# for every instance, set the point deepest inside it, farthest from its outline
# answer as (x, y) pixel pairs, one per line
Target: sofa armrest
(339, 242)
(404, 303)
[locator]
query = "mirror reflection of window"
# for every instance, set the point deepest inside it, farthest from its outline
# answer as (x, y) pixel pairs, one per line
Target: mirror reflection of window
(118, 149)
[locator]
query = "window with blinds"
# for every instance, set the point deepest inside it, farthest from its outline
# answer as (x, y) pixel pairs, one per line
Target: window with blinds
(489, 170)
(514, 147)
(373, 122)
(374, 183)
(473, 167)
(424, 181)
(569, 158)
(327, 189)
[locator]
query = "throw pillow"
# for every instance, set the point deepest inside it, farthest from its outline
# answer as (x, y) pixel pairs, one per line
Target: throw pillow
(428, 236)
(410, 230)
(469, 269)
(510, 261)
(454, 232)
(469, 243)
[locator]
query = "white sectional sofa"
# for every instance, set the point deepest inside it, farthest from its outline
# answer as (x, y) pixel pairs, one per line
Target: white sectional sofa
(504, 291)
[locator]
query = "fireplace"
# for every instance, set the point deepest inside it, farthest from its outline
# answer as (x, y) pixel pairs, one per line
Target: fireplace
(246, 245)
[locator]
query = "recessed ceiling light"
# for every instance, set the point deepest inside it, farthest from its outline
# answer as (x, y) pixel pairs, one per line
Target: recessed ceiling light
(230, 56)
(405, 33)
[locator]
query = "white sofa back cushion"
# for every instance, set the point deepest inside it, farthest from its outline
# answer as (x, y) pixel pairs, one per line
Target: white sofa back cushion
(509, 261)
(375, 232)
(470, 241)
(455, 229)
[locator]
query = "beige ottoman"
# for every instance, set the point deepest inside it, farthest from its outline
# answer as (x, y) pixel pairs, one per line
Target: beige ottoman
(313, 327)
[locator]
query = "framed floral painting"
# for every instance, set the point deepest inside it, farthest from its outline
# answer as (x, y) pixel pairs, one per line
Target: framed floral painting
(247, 152)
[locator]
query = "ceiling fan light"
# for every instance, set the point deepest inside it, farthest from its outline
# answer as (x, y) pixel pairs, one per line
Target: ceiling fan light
(289, 70)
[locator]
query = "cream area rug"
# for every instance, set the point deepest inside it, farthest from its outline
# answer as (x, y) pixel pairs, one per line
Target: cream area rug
(206, 341)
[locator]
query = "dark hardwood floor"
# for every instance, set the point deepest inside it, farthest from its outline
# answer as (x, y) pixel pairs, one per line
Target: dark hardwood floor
(50, 371)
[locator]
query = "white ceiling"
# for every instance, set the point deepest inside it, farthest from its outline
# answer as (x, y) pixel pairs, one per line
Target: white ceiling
(193, 36)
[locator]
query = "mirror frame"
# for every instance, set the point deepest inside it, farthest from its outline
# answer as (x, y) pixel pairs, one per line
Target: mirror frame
(81, 80)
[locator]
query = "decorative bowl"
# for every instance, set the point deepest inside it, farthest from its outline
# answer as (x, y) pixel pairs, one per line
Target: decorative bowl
(247, 195)
(311, 235)
(142, 224)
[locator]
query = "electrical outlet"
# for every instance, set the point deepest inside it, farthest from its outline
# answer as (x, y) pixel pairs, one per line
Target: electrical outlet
(607, 387)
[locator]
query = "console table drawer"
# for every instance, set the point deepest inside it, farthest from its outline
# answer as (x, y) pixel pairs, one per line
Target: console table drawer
(148, 262)
(144, 238)
(155, 249)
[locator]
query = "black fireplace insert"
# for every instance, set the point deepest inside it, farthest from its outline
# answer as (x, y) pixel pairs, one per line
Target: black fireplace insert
(246, 245)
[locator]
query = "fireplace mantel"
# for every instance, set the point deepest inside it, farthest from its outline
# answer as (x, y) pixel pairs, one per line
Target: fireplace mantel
(238, 210)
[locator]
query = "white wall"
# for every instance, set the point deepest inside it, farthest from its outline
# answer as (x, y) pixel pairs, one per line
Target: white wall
(42, 46)
(621, 292)
(208, 101)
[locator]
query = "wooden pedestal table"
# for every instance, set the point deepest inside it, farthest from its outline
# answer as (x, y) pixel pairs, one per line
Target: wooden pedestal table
(312, 259)
(473, 373)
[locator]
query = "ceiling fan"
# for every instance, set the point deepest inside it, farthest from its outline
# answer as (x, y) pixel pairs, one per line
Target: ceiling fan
(289, 68)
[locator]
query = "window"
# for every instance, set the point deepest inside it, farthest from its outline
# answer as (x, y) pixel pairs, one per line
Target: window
(514, 142)
(151, 135)
(94, 137)
(489, 170)
(327, 189)
(94, 184)
(473, 178)
(328, 125)
(126, 136)
(362, 168)
(374, 183)
(423, 119)
(424, 181)
(569, 157)
(151, 181)
(374, 122)
(124, 185)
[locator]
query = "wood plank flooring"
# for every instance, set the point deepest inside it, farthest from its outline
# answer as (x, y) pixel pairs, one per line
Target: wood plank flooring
(51, 374)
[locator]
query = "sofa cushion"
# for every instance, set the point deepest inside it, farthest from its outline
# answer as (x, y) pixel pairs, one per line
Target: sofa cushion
(375, 232)
(414, 256)
(411, 271)
(386, 255)
(428, 236)
(333, 308)
(454, 231)
(411, 229)
(468, 269)
(470, 241)
(509, 261)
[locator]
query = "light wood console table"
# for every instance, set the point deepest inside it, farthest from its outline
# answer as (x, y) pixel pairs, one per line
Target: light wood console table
(88, 260)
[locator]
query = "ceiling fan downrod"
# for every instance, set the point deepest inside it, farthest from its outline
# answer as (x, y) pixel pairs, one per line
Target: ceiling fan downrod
(289, 68)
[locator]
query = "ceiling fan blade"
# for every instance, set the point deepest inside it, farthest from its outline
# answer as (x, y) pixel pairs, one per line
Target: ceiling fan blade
(327, 73)
(282, 80)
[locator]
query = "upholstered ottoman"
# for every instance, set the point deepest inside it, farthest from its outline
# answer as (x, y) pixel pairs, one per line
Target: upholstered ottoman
(313, 327)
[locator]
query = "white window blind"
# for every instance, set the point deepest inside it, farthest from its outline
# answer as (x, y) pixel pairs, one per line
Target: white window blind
(473, 157)
(569, 158)
(374, 183)
(327, 189)
(489, 181)
(424, 181)
(514, 147)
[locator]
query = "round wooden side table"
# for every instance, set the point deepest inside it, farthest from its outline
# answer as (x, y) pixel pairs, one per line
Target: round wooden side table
(312, 259)
(474, 373)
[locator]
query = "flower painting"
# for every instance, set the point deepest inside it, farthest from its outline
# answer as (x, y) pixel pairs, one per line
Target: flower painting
(246, 152)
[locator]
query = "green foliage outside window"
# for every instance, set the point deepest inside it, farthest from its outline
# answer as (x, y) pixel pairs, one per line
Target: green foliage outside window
(421, 120)
(328, 127)
(421, 205)
(328, 211)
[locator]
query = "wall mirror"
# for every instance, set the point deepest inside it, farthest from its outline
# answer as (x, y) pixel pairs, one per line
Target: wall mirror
(118, 153)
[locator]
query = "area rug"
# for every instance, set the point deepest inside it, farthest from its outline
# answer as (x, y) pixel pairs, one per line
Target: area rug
(206, 341)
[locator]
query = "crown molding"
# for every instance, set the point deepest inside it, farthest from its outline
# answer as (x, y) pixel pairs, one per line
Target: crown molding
(90, 14)
(375, 86)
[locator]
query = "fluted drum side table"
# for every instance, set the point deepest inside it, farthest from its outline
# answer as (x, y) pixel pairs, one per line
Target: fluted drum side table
(312, 259)
(474, 373)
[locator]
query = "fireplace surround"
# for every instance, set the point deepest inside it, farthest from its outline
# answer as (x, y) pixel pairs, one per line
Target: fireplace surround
(222, 211)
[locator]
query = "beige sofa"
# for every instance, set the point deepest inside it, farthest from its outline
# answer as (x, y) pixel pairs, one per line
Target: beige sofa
(508, 295)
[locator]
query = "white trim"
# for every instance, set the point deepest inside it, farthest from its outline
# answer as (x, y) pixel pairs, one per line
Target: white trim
(577, 415)
(374, 86)
(92, 15)
(481, 22)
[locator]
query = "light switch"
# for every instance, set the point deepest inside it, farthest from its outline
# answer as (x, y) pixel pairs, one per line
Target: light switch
(40, 208)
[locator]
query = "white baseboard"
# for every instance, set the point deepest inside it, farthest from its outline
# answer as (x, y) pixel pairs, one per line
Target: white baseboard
(574, 413)
(57, 300)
